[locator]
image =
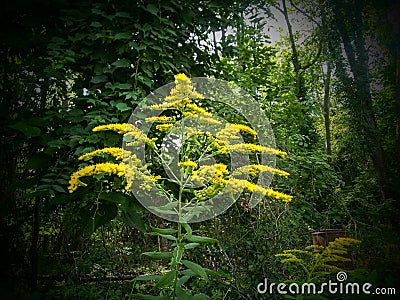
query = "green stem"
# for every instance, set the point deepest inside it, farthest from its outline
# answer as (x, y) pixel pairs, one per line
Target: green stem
(178, 241)
(179, 234)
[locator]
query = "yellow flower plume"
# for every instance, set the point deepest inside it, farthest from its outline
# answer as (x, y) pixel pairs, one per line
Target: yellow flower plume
(110, 168)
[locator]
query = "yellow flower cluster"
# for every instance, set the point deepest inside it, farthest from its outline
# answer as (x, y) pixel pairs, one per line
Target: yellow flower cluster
(290, 257)
(245, 128)
(340, 245)
(181, 97)
(252, 148)
(213, 174)
(131, 169)
(181, 77)
(227, 133)
(196, 109)
(114, 151)
(160, 119)
(134, 171)
(120, 128)
(206, 118)
(128, 130)
(240, 184)
(147, 180)
(231, 131)
(163, 127)
(213, 178)
(254, 170)
(188, 163)
(139, 137)
(109, 168)
(321, 262)
(210, 173)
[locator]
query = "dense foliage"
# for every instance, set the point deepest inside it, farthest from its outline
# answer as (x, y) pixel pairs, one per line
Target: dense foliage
(331, 95)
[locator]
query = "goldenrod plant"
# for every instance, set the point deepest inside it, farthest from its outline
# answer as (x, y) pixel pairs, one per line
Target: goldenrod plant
(187, 184)
(316, 262)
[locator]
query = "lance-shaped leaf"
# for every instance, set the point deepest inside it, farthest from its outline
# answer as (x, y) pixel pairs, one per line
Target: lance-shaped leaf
(197, 269)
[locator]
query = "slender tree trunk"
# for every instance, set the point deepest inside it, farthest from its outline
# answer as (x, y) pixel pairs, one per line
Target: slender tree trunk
(215, 44)
(33, 251)
(295, 55)
(326, 108)
(358, 61)
(327, 81)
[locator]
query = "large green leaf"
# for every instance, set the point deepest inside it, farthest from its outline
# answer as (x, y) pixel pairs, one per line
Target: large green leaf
(191, 245)
(121, 63)
(201, 239)
(151, 8)
(197, 269)
(164, 230)
(132, 218)
(115, 197)
(98, 215)
(166, 279)
(99, 79)
(26, 128)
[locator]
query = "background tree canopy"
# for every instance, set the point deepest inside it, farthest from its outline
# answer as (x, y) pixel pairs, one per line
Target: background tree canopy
(331, 92)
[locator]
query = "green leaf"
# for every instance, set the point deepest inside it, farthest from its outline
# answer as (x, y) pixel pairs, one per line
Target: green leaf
(162, 210)
(177, 254)
(122, 106)
(187, 228)
(132, 218)
(197, 269)
(115, 197)
(183, 280)
(95, 24)
(167, 236)
(123, 86)
(99, 79)
(145, 80)
(98, 215)
(121, 63)
(166, 279)
(123, 36)
(164, 230)
(25, 128)
(201, 239)
(181, 294)
(158, 255)
(122, 14)
(151, 8)
(191, 245)
(188, 272)
(58, 188)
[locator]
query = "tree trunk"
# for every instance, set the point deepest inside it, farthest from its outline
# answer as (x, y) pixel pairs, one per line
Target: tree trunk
(358, 61)
(326, 108)
(33, 251)
(295, 56)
